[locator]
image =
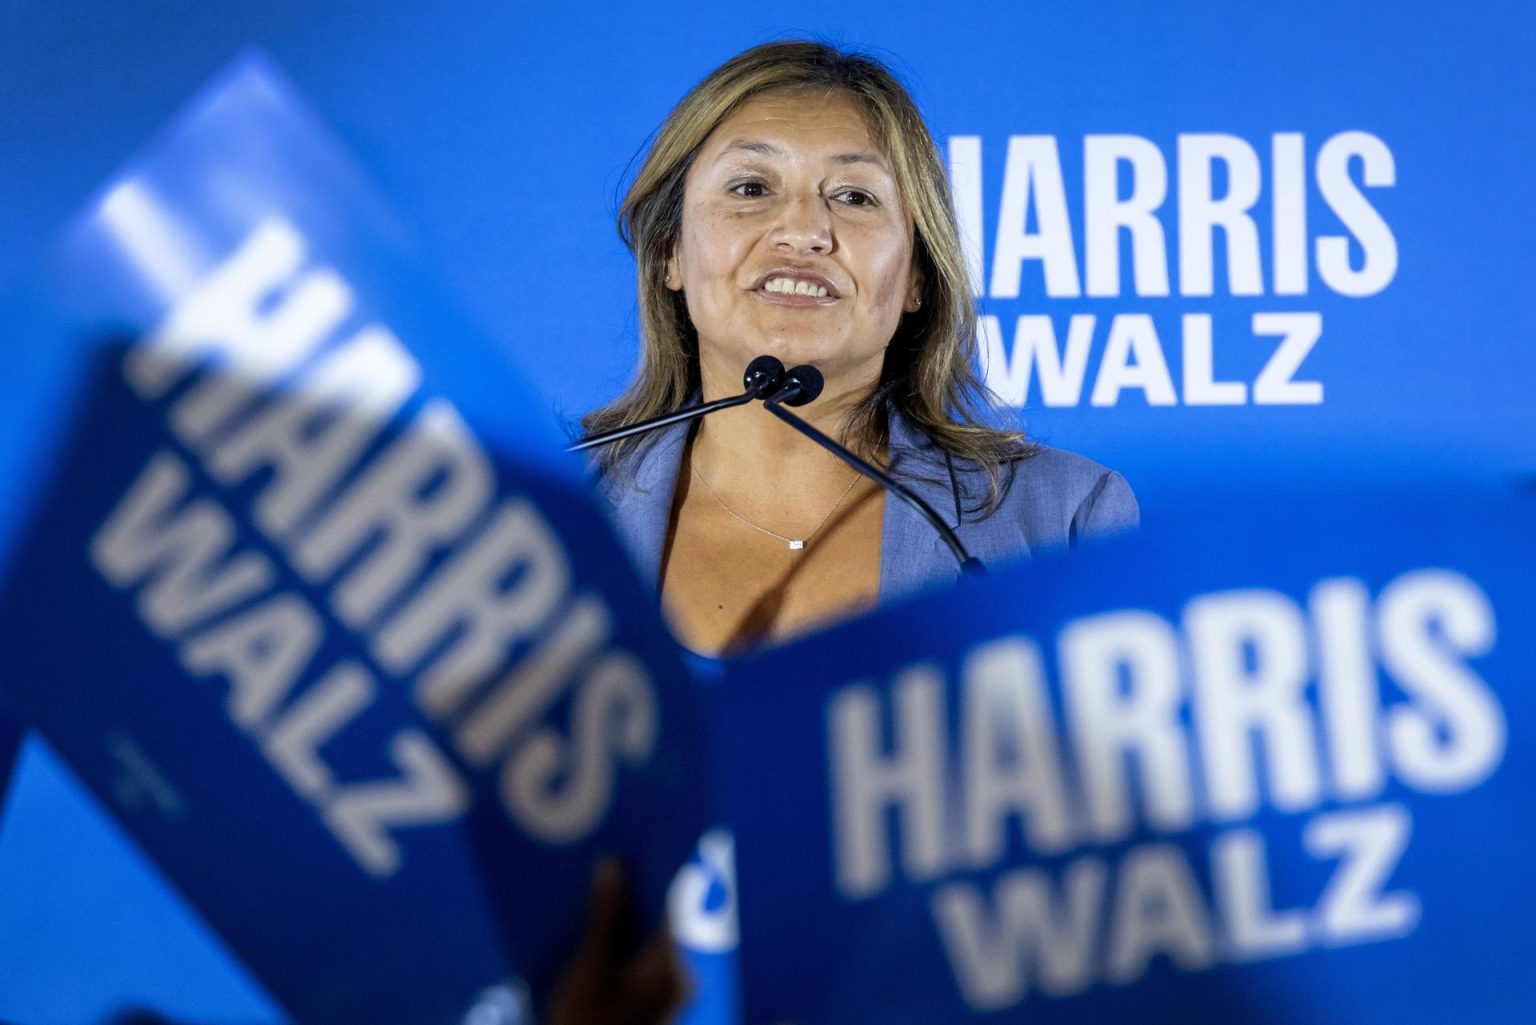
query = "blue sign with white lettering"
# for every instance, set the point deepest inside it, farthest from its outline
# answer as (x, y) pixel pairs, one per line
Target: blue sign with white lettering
(1268, 767)
(314, 601)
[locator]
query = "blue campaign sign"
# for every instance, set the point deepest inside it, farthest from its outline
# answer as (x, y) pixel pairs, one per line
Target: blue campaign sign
(313, 600)
(1265, 767)
(12, 730)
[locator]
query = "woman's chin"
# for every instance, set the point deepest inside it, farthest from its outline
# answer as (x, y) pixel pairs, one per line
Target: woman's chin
(834, 361)
(829, 359)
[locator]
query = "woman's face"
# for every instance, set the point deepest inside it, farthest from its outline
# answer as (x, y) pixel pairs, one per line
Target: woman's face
(795, 242)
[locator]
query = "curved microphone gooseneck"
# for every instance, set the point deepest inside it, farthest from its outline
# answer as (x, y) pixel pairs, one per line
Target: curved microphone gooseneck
(802, 385)
(763, 375)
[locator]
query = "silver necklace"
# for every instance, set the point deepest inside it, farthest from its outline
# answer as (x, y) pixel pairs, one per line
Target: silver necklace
(795, 543)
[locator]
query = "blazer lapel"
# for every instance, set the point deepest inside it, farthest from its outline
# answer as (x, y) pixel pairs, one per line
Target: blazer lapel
(642, 506)
(912, 554)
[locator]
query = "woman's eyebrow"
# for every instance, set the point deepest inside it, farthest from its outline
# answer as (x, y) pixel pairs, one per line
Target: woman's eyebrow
(768, 149)
(861, 158)
(764, 149)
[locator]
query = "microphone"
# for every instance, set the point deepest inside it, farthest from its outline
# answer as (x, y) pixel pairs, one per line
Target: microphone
(798, 387)
(763, 375)
(802, 385)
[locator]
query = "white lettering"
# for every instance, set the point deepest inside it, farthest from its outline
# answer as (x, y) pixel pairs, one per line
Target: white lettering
(1200, 385)
(256, 310)
(1034, 345)
(1368, 843)
(1452, 734)
(992, 959)
(1240, 879)
(1288, 213)
(494, 593)
(558, 793)
(1012, 763)
(1133, 358)
(1378, 247)
(293, 743)
(535, 683)
(428, 791)
(1033, 173)
(261, 651)
(865, 781)
(1347, 693)
(182, 559)
(1274, 385)
(315, 434)
(1106, 214)
(1157, 910)
(1200, 213)
(420, 494)
(1248, 652)
(1120, 672)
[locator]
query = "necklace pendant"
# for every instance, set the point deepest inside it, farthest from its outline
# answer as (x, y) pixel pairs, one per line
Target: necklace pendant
(795, 546)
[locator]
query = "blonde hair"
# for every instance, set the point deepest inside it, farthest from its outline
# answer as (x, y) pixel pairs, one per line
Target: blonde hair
(929, 372)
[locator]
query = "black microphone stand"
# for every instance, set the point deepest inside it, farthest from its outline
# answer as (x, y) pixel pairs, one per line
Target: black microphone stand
(803, 384)
(762, 376)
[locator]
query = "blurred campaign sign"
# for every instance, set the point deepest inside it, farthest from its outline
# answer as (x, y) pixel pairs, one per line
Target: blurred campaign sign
(314, 601)
(12, 730)
(1268, 767)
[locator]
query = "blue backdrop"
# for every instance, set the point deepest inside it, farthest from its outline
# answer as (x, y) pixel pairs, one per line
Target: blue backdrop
(1398, 138)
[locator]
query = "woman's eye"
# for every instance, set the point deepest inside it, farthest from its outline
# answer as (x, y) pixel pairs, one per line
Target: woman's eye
(855, 197)
(750, 189)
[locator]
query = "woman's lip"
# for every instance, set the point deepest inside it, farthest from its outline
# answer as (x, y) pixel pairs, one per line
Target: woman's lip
(798, 275)
(794, 298)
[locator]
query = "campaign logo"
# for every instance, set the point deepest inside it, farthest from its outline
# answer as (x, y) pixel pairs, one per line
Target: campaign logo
(1217, 216)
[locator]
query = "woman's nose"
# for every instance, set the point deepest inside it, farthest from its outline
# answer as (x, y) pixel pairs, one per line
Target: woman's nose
(804, 225)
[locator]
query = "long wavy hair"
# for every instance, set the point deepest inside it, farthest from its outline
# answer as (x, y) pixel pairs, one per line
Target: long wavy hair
(929, 374)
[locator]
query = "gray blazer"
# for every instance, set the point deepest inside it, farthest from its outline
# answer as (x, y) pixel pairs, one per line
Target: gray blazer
(1053, 500)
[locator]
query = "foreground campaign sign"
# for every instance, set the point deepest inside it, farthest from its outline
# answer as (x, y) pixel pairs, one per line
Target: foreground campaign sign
(12, 730)
(1268, 767)
(314, 602)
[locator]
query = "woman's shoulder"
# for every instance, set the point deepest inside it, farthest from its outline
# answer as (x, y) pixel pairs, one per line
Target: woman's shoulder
(1052, 498)
(1047, 496)
(1066, 473)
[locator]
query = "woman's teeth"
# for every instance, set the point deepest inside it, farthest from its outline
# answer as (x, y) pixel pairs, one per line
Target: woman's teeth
(790, 286)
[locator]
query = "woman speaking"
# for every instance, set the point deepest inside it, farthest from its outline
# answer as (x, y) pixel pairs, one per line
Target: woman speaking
(794, 204)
